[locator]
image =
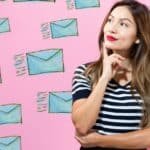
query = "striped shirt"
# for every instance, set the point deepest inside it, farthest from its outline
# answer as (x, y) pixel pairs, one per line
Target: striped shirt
(120, 111)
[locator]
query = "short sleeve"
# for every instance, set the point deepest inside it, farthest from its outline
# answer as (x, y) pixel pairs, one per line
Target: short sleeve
(81, 87)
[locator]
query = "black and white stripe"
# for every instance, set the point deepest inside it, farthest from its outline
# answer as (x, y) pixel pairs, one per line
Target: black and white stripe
(120, 111)
(81, 84)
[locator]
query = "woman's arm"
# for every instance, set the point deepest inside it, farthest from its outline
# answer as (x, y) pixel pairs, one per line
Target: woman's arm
(132, 140)
(85, 111)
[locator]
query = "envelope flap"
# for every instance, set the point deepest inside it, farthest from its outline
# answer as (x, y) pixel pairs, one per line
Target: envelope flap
(66, 96)
(7, 140)
(87, 2)
(45, 55)
(64, 23)
(7, 108)
(2, 20)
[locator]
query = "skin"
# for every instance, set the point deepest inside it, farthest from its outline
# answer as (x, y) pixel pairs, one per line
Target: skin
(122, 26)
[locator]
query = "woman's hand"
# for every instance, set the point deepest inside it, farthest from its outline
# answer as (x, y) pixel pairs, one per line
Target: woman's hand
(111, 63)
(118, 141)
(88, 140)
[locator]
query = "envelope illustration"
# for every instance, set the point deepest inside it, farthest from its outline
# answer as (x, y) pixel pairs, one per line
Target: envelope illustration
(34, 0)
(79, 4)
(10, 143)
(10, 114)
(60, 102)
(4, 25)
(45, 61)
(63, 28)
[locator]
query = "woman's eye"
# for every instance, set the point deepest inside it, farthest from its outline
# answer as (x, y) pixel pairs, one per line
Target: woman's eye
(109, 20)
(123, 24)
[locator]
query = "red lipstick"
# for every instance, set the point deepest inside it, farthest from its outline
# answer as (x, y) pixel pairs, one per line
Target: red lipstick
(111, 38)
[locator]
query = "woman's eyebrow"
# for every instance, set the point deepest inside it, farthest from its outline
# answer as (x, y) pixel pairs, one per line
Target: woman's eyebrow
(122, 18)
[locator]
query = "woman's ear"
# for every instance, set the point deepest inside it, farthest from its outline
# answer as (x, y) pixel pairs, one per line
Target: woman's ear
(137, 41)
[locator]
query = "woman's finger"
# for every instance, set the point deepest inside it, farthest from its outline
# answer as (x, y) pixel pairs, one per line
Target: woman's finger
(79, 139)
(118, 56)
(105, 51)
(76, 137)
(115, 61)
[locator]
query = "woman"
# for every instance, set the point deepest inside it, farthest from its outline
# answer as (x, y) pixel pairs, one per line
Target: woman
(111, 96)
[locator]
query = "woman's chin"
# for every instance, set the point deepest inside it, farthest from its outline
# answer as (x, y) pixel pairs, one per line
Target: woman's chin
(108, 46)
(111, 46)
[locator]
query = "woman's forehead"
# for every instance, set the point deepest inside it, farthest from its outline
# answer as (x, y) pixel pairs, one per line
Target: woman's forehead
(122, 12)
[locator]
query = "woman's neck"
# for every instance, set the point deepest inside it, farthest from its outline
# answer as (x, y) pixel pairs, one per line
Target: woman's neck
(123, 53)
(126, 65)
(123, 78)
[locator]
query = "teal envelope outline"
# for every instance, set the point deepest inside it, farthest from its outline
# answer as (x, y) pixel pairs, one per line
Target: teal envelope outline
(45, 61)
(10, 114)
(4, 25)
(60, 102)
(80, 4)
(10, 143)
(64, 28)
(34, 0)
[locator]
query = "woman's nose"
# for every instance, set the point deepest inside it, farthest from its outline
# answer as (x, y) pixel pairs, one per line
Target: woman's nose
(113, 28)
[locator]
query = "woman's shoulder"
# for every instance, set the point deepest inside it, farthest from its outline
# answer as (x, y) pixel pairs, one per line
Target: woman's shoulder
(82, 67)
(80, 71)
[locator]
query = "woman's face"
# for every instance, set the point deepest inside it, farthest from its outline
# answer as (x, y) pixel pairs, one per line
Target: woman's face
(120, 29)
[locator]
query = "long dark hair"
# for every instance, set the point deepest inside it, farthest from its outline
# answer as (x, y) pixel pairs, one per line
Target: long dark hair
(139, 55)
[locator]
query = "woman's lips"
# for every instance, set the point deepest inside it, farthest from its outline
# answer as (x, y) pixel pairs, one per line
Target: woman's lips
(111, 38)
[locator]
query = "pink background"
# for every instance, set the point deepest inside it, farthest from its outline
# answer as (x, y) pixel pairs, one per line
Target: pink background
(42, 130)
